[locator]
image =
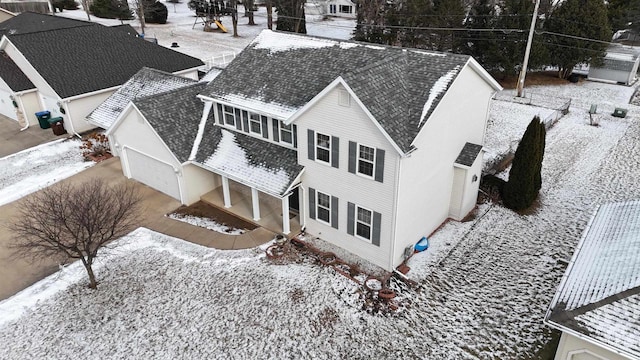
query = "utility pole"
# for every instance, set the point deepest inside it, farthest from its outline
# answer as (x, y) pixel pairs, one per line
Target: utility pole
(525, 63)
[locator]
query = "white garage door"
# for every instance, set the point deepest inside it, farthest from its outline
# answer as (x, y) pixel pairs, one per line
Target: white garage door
(152, 172)
(6, 106)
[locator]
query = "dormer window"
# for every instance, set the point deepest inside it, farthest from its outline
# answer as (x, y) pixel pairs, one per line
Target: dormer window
(229, 115)
(255, 123)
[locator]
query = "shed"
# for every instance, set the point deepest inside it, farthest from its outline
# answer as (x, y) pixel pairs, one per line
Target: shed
(620, 65)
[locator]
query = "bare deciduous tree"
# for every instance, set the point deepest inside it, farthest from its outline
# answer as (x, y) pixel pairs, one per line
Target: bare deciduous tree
(74, 221)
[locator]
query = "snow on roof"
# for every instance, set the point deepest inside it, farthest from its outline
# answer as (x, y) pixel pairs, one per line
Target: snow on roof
(276, 42)
(144, 83)
(602, 281)
(438, 87)
(231, 159)
(276, 110)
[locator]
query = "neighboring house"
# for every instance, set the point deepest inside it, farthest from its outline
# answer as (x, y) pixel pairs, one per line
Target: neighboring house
(373, 146)
(76, 65)
(597, 305)
(341, 8)
(620, 65)
(17, 92)
(145, 82)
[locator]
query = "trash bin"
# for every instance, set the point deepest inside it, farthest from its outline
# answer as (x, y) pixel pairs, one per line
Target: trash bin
(57, 126)
(43, 119)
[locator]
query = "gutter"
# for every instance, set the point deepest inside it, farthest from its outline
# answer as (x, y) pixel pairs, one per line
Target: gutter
(80, 96)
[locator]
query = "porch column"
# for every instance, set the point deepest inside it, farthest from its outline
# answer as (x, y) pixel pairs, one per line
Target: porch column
(225, 192)
(285, 215)
(255, 201)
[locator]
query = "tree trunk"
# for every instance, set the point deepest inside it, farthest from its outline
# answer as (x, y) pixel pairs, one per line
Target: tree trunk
(249, 6)
(92, 278)
(269, 15)
(234, 17)
(85, 5)
(141, 16)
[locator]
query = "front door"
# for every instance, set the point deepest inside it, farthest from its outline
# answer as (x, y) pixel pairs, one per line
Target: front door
(294, 201)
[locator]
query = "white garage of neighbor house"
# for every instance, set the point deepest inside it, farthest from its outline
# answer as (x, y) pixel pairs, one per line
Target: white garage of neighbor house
(17, 93)
(597, 305)
(372, 146)
(76, 65)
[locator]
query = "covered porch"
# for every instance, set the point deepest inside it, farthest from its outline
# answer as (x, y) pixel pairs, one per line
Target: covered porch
(257, 207)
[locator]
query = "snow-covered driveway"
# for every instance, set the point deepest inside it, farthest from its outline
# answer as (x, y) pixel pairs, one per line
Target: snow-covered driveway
(35, 168)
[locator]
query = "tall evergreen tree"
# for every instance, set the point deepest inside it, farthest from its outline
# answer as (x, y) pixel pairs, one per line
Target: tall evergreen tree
(482, 45)
(578, 18)
(291, 16)
(370, 22)
(624, 14)
(524, 177)
(446, 14)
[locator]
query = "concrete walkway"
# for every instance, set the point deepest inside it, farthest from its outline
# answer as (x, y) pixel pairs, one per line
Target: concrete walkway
(18, 274)
(14, 140)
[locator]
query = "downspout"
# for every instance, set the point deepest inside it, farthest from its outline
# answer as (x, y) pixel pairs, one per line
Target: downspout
(24, 113)
(68, 113)
(303, 218)
(394, 218)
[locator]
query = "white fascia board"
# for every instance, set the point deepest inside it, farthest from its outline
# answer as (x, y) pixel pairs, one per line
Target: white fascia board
(590, 340)
(180, 72)
(483, 74)
(20, 93)
(325, 91)
(295, 182)
(80, 96)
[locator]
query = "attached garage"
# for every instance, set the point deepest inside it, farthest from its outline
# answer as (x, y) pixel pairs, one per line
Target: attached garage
(152, 172)
(6, 105)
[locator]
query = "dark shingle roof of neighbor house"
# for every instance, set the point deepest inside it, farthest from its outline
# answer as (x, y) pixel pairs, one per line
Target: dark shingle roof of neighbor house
(469, 154)
(30, 22)
(264, 165)
(175, 116)
(400, 87)
(126, 28)
(84, 59)
(600, 291)
(12, 75)
(144, 83)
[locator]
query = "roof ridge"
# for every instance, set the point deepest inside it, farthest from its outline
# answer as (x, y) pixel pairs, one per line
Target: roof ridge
(164, 93)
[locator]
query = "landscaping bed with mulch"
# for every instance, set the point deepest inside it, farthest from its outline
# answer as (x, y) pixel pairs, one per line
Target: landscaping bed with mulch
(204, 210)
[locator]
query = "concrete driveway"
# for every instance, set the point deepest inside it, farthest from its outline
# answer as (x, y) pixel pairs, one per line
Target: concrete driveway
(17, 274)
(14, 140)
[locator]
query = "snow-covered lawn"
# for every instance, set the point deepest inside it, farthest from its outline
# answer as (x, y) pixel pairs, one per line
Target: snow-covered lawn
(36, 168)
(207, 224)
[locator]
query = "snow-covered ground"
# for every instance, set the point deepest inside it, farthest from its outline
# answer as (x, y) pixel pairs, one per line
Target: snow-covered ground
(192, 40)
(484, 284)
(36, 168)
(207, 224)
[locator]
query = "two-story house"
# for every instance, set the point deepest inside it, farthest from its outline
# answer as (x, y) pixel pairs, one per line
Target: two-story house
(374, 146)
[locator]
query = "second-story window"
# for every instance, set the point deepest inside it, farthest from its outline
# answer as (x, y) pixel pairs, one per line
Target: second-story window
(366, 160)
(323, 148)
(229, 115)
(255, 124)
(286, 133)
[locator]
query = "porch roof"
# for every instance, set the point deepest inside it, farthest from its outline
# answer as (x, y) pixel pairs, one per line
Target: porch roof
(257, 163)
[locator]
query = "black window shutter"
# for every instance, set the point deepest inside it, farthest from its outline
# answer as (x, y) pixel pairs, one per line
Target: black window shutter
(295, 136)
(220, 115)
(265, 127)
(245, 121)
(276, 132)
(238, 120)
(311, 149)
(312, 203)
(334, 212)
(375, 236)
(351, 217)
(352, 156)
(335, 151)
(379, 165)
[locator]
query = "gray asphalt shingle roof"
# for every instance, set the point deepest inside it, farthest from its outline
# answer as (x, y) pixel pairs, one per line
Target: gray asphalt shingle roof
(175, 116)
(84, 59)
(144, 83)
(468, 154)
(30, 22)
(288, 70)
(12, 75)
(264, 165)
(599, 296)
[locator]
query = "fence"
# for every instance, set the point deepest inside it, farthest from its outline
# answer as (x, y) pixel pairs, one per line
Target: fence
(220, 61)
(552, 118)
